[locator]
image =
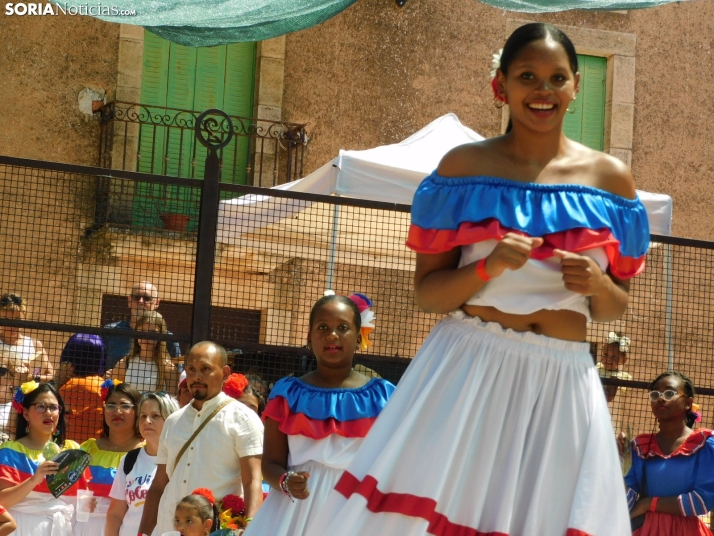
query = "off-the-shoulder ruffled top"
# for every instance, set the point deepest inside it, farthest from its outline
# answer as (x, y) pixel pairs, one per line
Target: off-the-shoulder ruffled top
(474, 213)
(325, 425)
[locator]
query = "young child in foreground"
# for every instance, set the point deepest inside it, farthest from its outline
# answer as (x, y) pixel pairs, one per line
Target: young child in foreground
(196, 514)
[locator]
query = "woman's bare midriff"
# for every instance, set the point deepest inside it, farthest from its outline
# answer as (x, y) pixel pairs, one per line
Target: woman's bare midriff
(566, 325)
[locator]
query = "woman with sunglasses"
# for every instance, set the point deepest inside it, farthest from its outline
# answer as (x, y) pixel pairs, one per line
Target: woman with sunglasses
(148, 367)
(119, 436)
(23, 488)
(671, 480)
(138, 467)
(25, 356)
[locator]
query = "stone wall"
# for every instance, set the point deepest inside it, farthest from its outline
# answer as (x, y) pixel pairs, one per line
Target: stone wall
(377, 73)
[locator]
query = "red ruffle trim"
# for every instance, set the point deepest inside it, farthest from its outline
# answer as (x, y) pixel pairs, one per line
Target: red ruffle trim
(412, 506)
(646, 445)
(290, 423)
(574, 240)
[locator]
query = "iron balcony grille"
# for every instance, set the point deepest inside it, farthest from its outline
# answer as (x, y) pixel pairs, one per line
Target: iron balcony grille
(160, 141)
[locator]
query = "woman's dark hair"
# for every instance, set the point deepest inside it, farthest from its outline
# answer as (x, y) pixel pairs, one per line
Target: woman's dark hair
(341, 299)
(251, 389)
(688, 390)
(132, 394)
(27, 403)
(85, 352)
(535, 31)
(528, 33)
(205, 509)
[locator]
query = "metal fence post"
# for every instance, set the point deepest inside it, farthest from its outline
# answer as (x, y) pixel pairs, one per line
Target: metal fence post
(214, 133)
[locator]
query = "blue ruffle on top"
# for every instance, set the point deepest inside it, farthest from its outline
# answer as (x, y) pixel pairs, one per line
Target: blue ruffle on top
(340, 404)
(445, 203)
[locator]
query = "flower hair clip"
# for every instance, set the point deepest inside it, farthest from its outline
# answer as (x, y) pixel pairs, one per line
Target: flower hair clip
(205, 492)
(696, 411)
(623, 342)
(24, 390)
(495, 66)
(367, 317)
(106, 386)
(235, 384)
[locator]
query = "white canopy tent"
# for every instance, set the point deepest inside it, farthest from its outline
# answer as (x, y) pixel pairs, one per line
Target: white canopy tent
(389, 173)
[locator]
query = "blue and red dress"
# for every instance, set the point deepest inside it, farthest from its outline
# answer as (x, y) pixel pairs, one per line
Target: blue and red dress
(687, 473)
(491, 431)
(325, 427)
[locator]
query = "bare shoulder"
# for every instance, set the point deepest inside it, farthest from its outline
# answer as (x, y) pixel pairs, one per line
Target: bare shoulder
(613, 175)
(469, 159)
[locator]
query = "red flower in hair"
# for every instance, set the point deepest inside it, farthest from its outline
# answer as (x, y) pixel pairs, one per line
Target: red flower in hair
(207, 493)
(233, 503)
(234, 385)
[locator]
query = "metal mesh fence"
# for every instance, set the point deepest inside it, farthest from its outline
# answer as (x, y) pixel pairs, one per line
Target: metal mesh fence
(76, 268)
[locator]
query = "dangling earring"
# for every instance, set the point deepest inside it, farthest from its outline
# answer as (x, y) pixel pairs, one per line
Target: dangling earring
(56, 433)
(27, 429)
(308, 346)
(568, 108)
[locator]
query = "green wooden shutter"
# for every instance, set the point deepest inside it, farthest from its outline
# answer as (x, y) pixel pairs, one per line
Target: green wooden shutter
(238, 101)
(586, 122)
(194, 79)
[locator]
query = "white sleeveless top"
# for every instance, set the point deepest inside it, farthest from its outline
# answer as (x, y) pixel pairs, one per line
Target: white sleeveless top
(535, 286)
(144, 375)
(20, 354)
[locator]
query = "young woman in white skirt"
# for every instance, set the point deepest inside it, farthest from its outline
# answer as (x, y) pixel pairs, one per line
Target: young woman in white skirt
(315, 424)
(499, 426)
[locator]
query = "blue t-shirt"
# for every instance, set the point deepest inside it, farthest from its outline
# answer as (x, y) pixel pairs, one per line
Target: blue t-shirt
(119, 347)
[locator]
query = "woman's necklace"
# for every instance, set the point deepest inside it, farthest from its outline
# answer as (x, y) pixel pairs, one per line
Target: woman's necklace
(117, 447)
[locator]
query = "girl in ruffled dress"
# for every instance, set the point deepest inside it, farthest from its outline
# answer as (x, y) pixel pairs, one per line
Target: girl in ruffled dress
(500, 425)
(315, 424)
(671, 481)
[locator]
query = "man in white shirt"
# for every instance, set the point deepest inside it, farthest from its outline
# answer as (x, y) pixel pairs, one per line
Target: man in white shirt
(225, 455)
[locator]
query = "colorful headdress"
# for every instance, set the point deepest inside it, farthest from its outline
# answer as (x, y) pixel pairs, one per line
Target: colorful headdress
(205, 492)
(495, 66)
(622, 341)
(367, 317)
(25, 389)
(234, 385)
(232, 514)
(696, 411)
(106, 386)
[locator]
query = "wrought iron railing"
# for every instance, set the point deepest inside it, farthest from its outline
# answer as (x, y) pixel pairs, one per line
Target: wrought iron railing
(161, 141)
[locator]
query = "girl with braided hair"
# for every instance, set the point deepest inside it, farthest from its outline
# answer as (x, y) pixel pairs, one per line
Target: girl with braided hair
(671, 480)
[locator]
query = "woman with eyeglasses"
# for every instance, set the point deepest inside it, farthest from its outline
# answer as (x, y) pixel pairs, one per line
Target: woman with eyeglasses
(23, 468)
(671, 480)
(25, 356)
(148, 367)
(137, 468)
(119, 436)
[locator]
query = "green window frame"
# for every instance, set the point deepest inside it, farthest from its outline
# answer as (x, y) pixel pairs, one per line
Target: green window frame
(189, 78)
(585, 122)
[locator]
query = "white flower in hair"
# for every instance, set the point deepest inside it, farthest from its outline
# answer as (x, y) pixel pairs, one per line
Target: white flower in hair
(496, 62)
(623, 342)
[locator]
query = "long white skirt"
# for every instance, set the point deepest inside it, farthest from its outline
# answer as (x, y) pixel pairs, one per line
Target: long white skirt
(40, 514)
(490, 432)
(280, 517)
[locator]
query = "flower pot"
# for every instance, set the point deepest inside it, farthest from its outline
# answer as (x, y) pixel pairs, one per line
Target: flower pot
(175, 222)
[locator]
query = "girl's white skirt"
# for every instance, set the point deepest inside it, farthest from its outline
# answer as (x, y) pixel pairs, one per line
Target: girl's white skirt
(490, 432)
(279, 516)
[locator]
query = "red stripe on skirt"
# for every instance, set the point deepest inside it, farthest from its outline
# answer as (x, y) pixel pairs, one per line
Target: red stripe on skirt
(412, 506)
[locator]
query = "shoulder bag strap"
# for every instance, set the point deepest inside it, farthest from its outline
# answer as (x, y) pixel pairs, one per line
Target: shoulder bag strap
(198, 430)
